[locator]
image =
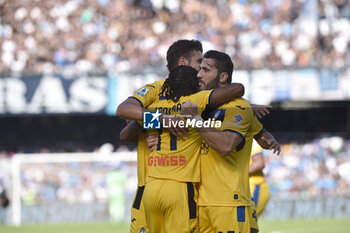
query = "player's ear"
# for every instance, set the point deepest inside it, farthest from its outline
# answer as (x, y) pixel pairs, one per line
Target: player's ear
(223, 77)
(182, 61)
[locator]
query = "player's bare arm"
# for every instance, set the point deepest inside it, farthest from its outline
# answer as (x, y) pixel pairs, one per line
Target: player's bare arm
(257, 164)
(227, 93)
(131, 109)
(222, 141)
(130, 132)
(267, 141)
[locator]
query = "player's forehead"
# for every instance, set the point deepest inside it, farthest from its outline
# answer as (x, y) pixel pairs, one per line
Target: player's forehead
(208, 63)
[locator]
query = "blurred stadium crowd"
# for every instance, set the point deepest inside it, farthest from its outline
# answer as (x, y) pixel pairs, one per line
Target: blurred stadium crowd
(304, 170)
(317, 168)
(73, 182)
(74, 36)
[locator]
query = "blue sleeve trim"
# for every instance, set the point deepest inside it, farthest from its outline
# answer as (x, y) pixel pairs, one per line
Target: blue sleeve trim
(132, 97)
(241, 213)
(235, 132)
(261, 131)
(211, 96)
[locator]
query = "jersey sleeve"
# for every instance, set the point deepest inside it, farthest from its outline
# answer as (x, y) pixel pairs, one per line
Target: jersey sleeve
(149, 93)
(201, 99)
(256, 126)
(237, 120)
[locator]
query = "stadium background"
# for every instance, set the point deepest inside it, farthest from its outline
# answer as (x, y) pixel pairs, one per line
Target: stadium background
(65, 66)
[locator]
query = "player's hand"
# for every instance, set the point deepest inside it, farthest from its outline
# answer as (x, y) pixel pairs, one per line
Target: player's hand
(152, 141)
(189, 108)
(273, 145)
(261, 110)
(175, 130)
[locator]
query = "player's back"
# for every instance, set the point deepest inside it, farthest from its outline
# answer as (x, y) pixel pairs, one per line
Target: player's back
(177, 158)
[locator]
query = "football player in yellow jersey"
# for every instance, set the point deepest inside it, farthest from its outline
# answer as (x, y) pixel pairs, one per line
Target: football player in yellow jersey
(258, 187)
(224, 198)
(225, 205)
(181, 52)
(169, 195)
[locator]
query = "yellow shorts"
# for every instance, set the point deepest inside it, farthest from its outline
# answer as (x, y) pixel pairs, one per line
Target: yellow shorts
(138, 216)
(261, 195)
(170, 206)
(223, 219)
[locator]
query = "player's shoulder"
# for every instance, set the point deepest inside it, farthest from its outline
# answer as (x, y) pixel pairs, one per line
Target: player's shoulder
(203, 92)
(241, 103)
(155, 85)
(198, 95)
(158, 83)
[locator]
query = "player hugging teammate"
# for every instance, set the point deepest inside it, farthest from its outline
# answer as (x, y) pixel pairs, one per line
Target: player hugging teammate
(207, 190)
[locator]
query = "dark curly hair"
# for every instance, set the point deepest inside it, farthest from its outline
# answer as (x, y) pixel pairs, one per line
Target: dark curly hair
(182, 81)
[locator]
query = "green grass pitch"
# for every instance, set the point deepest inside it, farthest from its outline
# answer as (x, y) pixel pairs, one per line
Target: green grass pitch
(266, 226)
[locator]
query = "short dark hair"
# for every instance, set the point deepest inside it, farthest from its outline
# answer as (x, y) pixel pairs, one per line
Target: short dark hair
(182, 48)
(223, 62)
(182, 81)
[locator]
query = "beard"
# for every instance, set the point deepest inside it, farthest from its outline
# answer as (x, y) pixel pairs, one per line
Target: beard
(212, 84)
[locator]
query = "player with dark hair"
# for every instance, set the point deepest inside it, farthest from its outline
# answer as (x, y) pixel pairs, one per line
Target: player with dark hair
(231, 209)
(184, 52)
(187, 52)
(226, 155)
(222, 64)
(181, 82)
(169, 195)
(181, 52)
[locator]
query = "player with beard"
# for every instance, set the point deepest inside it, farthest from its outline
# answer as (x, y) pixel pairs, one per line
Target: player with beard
(181, 52)
(173, 168)
(224, 198)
